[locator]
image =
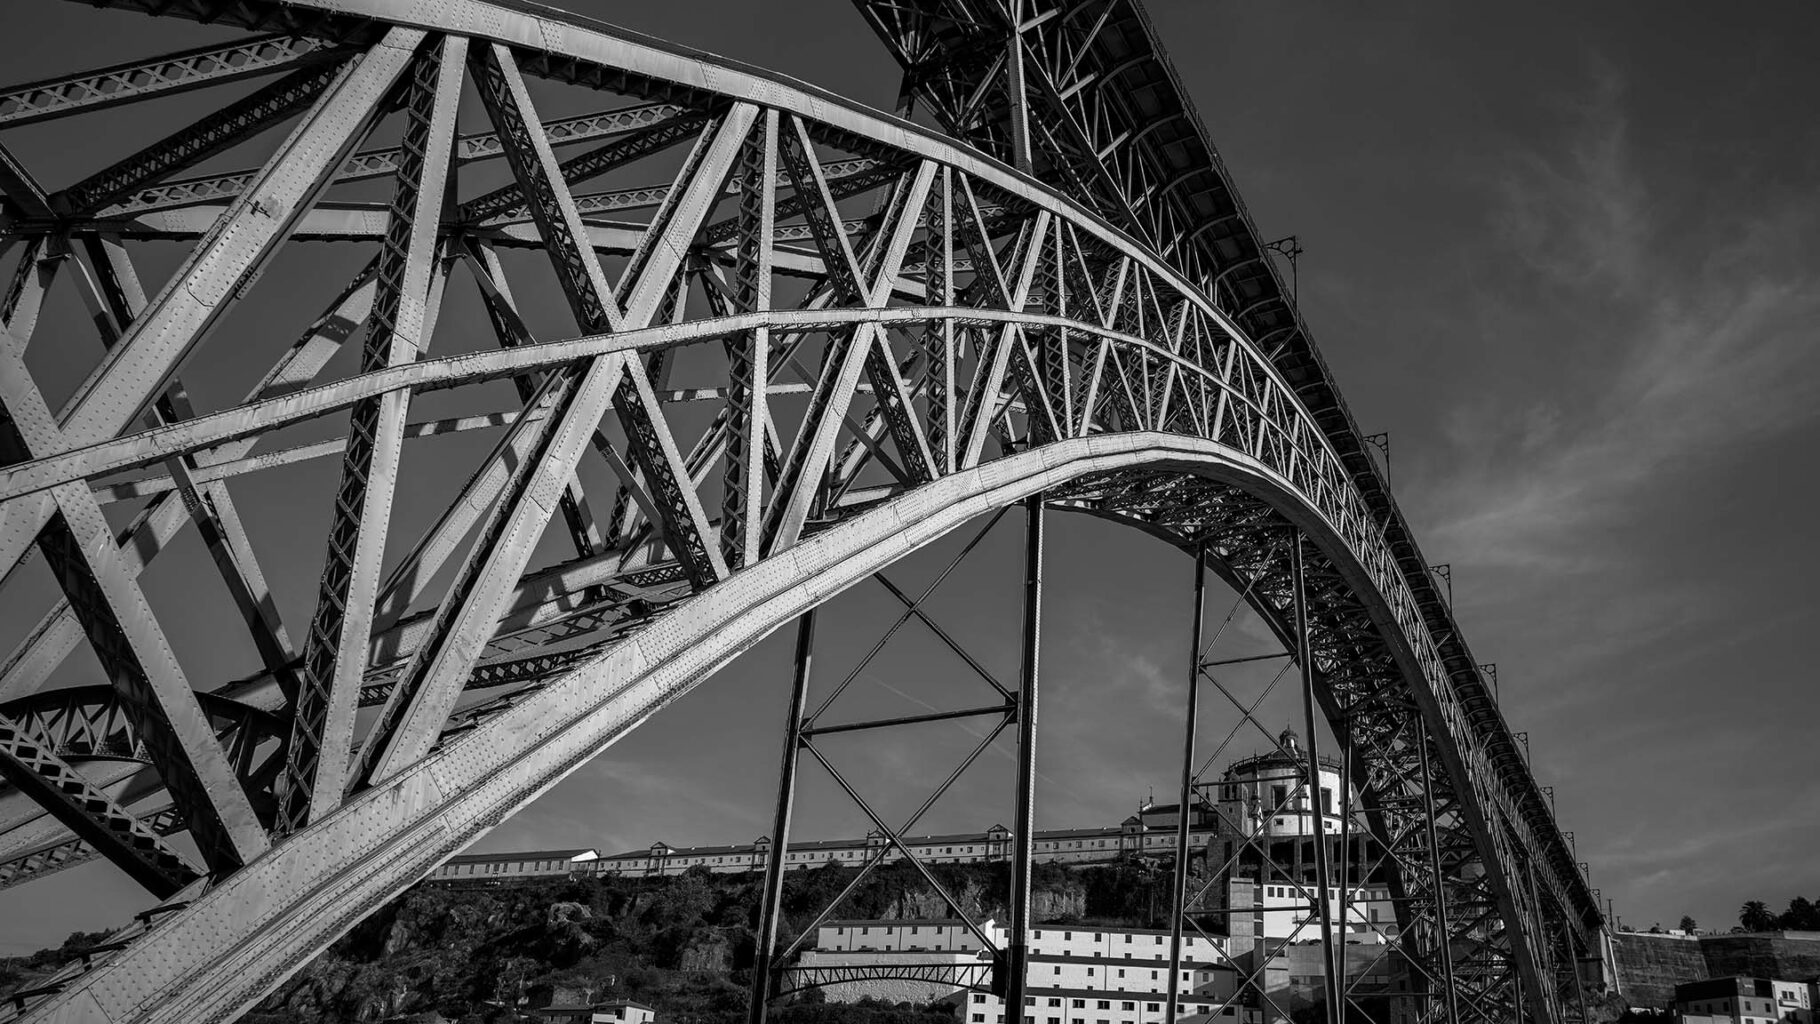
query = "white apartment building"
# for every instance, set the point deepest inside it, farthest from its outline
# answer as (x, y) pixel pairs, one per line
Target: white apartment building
(498, 867)
(1745, 1001)
(1077, 975)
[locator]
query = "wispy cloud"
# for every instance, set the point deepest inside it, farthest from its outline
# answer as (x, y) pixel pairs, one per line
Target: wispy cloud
(1671, 344)
(1673, 339)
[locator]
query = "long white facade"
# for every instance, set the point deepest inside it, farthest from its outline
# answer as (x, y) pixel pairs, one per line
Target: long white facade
(1077, 975)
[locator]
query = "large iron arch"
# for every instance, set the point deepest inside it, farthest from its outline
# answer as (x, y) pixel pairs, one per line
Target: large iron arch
(209, 965)
(981, 336)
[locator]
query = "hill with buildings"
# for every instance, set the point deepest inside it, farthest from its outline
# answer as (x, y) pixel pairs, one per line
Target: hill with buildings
(681, 944)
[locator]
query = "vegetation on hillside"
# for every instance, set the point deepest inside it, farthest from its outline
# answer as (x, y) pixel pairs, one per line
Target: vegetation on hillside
(683, 944)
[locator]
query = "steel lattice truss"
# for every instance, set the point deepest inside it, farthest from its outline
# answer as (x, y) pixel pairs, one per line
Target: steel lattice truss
(903, 332)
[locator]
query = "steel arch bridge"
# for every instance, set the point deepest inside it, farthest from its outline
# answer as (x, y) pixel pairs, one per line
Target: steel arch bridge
(1054, 298)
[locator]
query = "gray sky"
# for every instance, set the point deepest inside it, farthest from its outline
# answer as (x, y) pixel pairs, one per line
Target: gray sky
(1564, 254)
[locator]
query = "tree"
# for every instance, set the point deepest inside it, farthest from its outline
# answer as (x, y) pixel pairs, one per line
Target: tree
(1802, 915)
(1755, 917)
(1688, 924)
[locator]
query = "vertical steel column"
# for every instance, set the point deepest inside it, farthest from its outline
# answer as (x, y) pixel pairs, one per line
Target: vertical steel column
(1179, 902)
(1319, 810)
(1017, 949)
(1548, 999)
(1019, 103)
(1345, 802)
(1579, 984)
(1440, 888)
(772, 907)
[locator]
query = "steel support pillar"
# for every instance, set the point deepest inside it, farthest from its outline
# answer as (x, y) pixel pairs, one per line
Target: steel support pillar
(1020, 100)
(1179, 898)
(1331, 986)
(1017, 947)
(1345, 802)
(772, 908)
(1440, 888)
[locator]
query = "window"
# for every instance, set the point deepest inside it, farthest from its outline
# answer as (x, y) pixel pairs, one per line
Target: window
(1127, 1006)
(1326, 799)
(1151, 1007)
(1128, 939)
(1122, 970)
(1104, 1005)
(979, 1018)
(1067, 935)
(979, 997)
(1089, 972)
(1278, 794)
(1079, 1004)
(1058, 970)
(1054, 1002)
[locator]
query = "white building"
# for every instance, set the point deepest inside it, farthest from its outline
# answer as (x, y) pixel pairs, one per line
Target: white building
(497, 867)
(1745, 1001)
(1150, 832)
(1268, 794)
(1077, 975)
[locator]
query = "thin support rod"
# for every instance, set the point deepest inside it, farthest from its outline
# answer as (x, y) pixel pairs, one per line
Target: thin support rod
(1440, 887)
(772, 908)
(1318, 809)
(1179, 895)
(1245, 660)
(1017, 952)
(887, 723)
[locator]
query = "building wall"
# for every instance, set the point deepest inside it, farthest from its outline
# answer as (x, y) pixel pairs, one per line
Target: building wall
(901, 936)
(1648, 967)
(1280, 911)
(1075, 846)
(1090, 974)
(505, 866)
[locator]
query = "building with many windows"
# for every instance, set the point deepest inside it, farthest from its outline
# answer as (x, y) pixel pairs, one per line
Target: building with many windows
(1745, 1001)
(500, 867)
(1077, 975)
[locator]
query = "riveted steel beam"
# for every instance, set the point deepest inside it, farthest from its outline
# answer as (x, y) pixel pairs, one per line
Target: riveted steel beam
(134, 846)
(335, 658)
(216, 273)
(172, 73)
(189, 146)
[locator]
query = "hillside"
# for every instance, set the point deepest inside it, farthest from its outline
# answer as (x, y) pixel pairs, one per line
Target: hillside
(682, 945)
